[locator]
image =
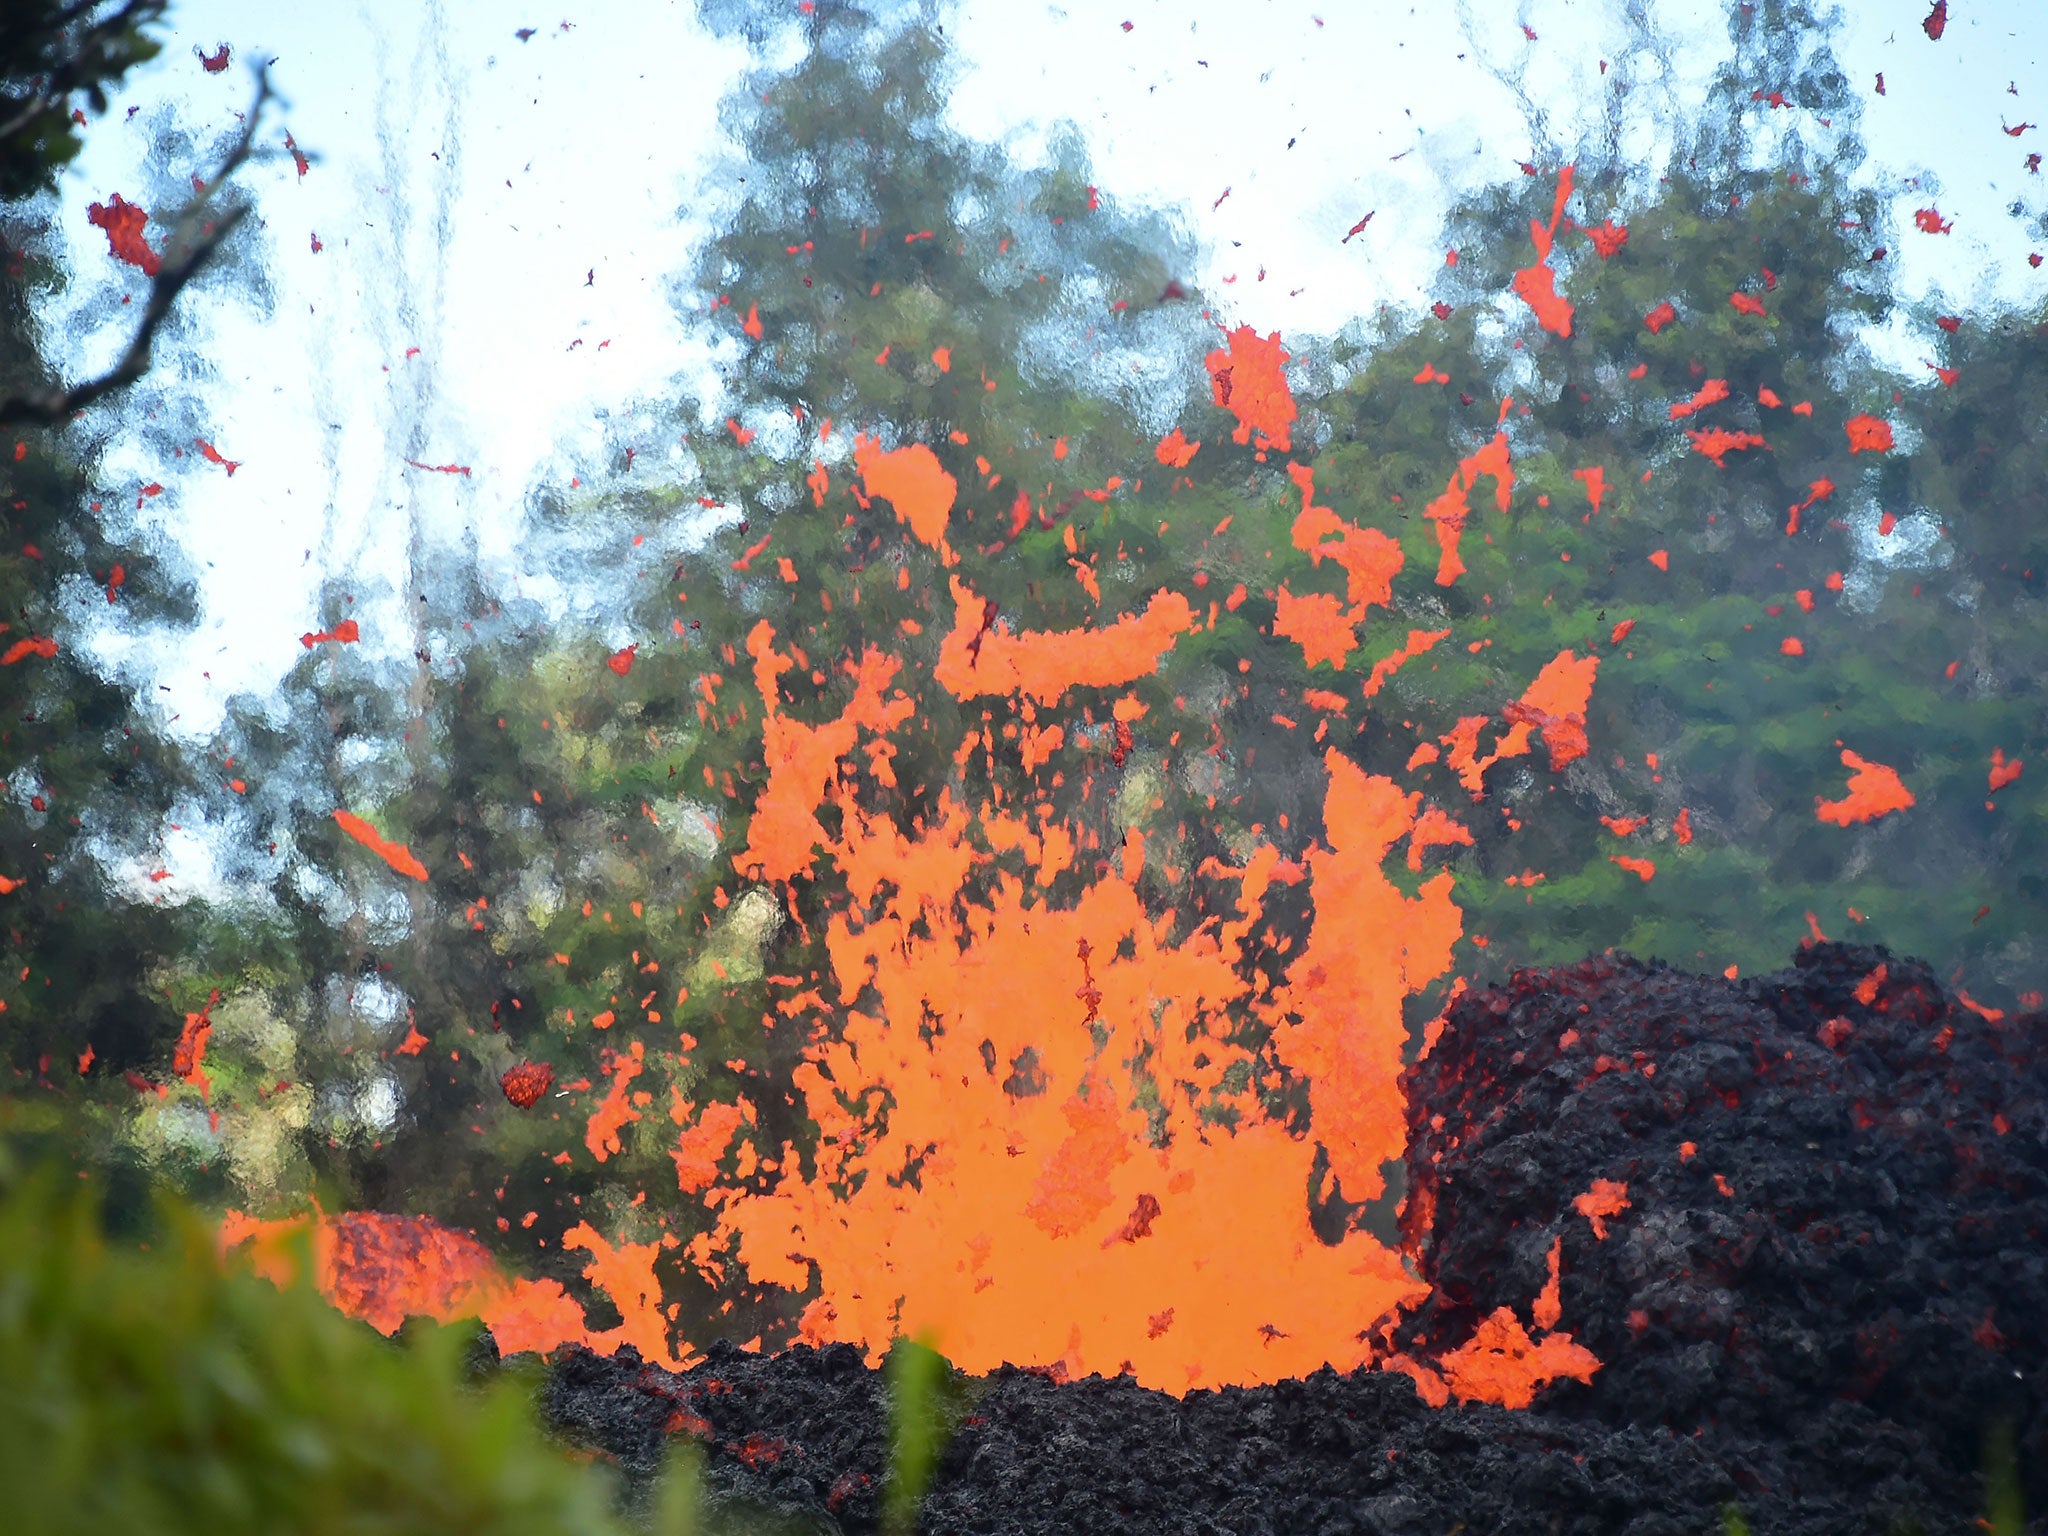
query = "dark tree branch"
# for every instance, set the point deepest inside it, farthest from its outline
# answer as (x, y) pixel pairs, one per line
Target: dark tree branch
(197, 233)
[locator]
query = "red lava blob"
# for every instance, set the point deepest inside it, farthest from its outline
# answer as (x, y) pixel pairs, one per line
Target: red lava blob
(1608, 237)
(1450, 510)
(1556, 704)
(1501, 1364)
(1319, 624)
(212, 455)
(1606, 1197)
(1249, 380)
(1874, 791)
(397, 855)
(1717, 442)
(524, 1082)
(1174, 450)
(1818, 490)
(1868, 432)
(123, 222)
(1042, 665)
(34, 645)
(1537, 285)
(1709, 393)
(347, 632)
(912, 481)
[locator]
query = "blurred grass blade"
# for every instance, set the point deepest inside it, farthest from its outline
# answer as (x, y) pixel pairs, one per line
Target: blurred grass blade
(2004, 1505)
(914, 1373)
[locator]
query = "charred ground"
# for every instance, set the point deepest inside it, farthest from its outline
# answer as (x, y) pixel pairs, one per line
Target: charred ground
(1824, 1293)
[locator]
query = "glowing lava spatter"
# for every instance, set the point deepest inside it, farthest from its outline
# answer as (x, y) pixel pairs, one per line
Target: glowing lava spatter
(1248, 379)
(1536, 284)
(1043, 1061)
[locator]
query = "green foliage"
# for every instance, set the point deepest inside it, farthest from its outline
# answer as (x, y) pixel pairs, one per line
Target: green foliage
(144, 1388)
(86, 777)
(49, 51)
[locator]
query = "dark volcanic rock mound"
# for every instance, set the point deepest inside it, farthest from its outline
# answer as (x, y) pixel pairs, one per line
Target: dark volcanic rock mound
(1837, 1186)
(1828, 1282)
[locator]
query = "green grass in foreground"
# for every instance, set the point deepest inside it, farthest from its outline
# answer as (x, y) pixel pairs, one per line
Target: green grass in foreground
(143, 1389)
(147, 1390)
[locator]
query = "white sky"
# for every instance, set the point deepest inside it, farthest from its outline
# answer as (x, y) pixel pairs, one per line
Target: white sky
(495, 203)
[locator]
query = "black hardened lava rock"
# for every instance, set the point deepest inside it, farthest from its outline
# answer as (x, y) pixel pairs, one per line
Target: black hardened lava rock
(797, 1442)
(1817, 1311)
(1837, 1181)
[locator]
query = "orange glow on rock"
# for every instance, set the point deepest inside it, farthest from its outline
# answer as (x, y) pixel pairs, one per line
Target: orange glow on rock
(1501, 1364)
(384, 1269)
(1606, 1197)
(1548, 1309)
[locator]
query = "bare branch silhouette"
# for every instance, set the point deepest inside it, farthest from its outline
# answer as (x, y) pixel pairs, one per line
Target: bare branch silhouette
(197, 233)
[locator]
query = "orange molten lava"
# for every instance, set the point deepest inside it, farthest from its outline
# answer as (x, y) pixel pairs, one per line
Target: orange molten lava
(1874, 791)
